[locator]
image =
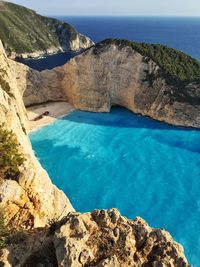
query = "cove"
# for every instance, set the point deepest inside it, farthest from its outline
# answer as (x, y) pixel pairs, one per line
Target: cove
(48, 61)
(140, 166)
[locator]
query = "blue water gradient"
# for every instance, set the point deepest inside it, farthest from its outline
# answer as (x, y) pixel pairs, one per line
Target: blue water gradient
(177, 32)
(140, 166)
(182, 33)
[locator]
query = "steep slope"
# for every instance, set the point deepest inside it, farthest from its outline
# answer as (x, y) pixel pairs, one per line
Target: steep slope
(24, 32)
(151, 80)
(28, 199)
(102, 238)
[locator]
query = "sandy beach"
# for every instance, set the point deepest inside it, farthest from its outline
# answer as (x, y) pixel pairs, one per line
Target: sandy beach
(56, 110)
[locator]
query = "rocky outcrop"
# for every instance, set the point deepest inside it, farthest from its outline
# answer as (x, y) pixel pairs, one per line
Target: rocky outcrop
(107, 75)
(97, 239)
(32, 200)
(79, 43)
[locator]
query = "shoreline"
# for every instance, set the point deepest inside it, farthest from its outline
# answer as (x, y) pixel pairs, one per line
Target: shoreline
(57, 110)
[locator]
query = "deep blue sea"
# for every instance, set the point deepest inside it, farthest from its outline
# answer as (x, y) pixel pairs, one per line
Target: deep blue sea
(182, 33)
(140, 166)
(175, 32)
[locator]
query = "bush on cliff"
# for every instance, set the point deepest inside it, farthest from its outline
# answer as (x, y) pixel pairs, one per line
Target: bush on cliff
(4, 232)
(3, 83)
(10, 156)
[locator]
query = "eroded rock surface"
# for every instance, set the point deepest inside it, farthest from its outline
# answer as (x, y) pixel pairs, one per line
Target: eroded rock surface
(107, 75)
(32, 200)
(102, 238)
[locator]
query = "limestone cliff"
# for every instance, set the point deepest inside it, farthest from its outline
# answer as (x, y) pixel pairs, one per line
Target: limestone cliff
(111, 74)
(97, 239)
(33, 199)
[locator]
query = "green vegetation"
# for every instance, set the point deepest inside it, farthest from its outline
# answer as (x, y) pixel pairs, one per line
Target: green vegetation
(4, 232)
(10, 156)
(3, 83)
(175, 64)
(24, 31)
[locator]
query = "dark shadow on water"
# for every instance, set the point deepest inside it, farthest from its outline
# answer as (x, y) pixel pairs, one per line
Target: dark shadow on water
(123, 118)
(48, 62)
(179, 142)
(179, 137)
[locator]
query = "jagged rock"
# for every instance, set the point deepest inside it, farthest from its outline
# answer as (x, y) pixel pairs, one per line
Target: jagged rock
(33, 199)
(102, 238)
(96, 81)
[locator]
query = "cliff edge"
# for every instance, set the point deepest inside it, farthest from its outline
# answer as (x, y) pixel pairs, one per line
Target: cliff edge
(30, 199)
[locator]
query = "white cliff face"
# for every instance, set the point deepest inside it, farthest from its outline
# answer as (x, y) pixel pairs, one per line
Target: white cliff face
(81, 42)
(111, 75)
(33, 200)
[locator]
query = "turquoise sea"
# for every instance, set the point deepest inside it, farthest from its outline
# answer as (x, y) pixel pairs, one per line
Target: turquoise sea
(140, 166)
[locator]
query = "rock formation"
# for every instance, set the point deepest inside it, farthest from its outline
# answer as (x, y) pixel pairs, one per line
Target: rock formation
(33, 199)
(97, 239)
(108, 74)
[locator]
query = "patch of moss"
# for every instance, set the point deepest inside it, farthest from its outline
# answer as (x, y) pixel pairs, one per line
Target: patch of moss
(10, 156)
(176, 65)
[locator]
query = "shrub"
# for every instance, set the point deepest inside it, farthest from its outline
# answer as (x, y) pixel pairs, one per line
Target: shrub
(10, 156)
(4, 85)
(4, 232)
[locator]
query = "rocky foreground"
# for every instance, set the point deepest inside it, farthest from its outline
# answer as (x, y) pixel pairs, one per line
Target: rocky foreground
(98, 239)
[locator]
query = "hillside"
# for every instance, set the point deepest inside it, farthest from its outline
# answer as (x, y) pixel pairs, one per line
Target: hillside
(24, 31)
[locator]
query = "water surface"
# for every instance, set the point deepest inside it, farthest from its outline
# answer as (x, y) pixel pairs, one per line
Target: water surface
(140, 166)
(182, 33)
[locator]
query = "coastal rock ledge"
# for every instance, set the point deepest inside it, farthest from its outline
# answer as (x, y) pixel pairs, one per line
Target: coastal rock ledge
(102, 238)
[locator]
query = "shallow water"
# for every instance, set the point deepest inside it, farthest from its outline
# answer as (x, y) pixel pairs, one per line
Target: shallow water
(140, 166)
